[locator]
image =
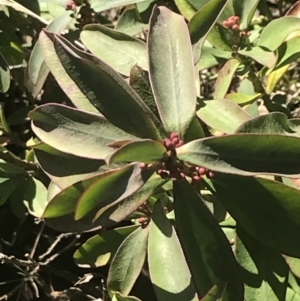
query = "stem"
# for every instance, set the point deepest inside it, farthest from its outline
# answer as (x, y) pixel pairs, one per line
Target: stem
(259, 88)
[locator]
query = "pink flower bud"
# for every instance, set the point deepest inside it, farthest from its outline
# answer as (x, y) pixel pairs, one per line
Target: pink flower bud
(225, 23)
(201, 171)
(168, 144)
(180, 143)
(235, 27)
(174, 135)
(209, 174)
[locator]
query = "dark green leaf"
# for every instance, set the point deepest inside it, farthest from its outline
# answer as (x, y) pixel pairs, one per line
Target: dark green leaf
(146, 151)
(171, 70)
(186, 9)
(113, 187)
(211, 57)
(206, 248)
(265, 209)
(222, 115)
(64, 169)
(88, 134)
(4, 75)
(169, 271)
(117, 49)
(264, 271)
(119, 297)
(202, 22)
(245, 154)
(245, 9)
(99, 250)
(128, 262)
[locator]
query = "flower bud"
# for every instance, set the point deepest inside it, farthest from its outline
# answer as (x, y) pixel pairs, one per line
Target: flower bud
(168, 144)
(209, 174)
(174, 135)
(180, 143)
(235, 27)
(225, 23)
(201, 171)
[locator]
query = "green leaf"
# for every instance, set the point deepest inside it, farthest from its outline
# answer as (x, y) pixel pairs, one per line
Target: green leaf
(107, 90)
(88, 134)
(264, 270)
(168, 269)
(18, 7)
(130, 22)
(294, 265)
(119, 210)
(35, 196)
(128, 262)
(146, 151)
(272, 123)
(222, 115)
(4, 75)
(99, 250)
(101, 5)
(65, 201)
(64, 169)
(245, 9)
(291, 295)
(113, 187)
(74, 92)
(288, 52)
(215, 293)
(225, 76)
(242, 99)
(186, 9)
(245, 154)
(171, 70)
(202, 22)
(265, 209)
(206, 248)
(265, 58)
(287, 26)
(7, 188)
(116, 49)
(211, 57)
(37, 68)
(119, 297)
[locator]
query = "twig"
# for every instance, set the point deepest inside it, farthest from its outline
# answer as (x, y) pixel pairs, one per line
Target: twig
(18, 162)
(54, 244)
(37, 239)
(66, 248)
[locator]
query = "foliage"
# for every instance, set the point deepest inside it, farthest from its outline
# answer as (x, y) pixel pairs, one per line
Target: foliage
(109, 138)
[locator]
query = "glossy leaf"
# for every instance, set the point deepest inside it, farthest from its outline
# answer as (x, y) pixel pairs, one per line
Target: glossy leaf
(99, 250)
(168, 269)
(245, 154)
(264, 270)
(103, 86)
(146, 151)
(202, 22)
(206, 248)
(222, 115)
(225, 76)
(7, 188)
(119, 210)
(255, 203)
(4, 75)
(287, 26)
(37, 68)
(128, 262)
(171, 70)
(64, 169)
(288, 52)
(292, 295)
(65, 201)
(88, 134)
(113, 187)
(117, 49)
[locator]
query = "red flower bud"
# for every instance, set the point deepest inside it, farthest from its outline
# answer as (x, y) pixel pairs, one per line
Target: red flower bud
(209, 174)
(196, 179)
(201, 171)
(174, 135)
(180, 143)
(168, 144)
(236, 19)
(235, 27)
(70, 5)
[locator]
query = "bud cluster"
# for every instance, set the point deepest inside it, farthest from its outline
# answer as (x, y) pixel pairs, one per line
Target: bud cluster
(173, 142)
(232, 23)
(70, 5)
(173, 168)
